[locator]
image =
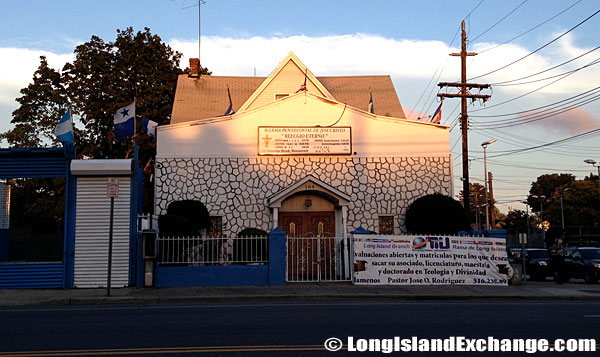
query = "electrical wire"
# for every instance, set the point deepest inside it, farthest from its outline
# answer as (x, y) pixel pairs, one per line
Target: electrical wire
(596, 89)
(546, 70)
(596, 61)
(499, 21)
(528, 93)
(531, 29)
(538, 49)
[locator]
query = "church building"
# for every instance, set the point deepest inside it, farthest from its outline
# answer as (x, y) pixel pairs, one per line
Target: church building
(315, 156)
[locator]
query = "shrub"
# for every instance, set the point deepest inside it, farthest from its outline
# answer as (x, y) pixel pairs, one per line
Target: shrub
(194, 211)
(437, 214)
(249, 249)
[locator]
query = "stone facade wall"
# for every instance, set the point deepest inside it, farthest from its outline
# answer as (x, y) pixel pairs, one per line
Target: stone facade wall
(237, 188)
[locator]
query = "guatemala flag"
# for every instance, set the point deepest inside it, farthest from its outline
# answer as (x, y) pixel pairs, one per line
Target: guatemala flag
(125, 121)
(149, 126)
(64, 129)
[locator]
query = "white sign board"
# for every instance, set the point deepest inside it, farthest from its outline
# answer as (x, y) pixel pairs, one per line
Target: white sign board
(304, 140)
(429, 260)
(112, 189)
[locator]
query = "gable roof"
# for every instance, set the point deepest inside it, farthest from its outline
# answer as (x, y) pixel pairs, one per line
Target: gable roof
(289, 67)
(206, 96)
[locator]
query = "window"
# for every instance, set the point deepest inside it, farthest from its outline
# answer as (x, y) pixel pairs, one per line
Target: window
(216, 227)
(281, 96)
(386, 224)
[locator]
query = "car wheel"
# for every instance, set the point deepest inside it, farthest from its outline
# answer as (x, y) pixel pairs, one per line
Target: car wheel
(589, 277)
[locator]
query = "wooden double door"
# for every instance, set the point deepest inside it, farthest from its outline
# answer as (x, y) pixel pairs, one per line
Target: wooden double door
(310, 244)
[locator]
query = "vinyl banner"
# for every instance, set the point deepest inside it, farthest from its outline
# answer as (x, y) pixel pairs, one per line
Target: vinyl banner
(430, 260)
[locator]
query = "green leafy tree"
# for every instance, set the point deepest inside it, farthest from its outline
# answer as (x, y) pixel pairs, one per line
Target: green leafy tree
(103, 77)
(43, 102)
(436, 214)
(546, 185)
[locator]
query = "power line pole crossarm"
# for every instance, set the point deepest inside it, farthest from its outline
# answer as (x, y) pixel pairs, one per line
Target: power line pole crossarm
(464, 95)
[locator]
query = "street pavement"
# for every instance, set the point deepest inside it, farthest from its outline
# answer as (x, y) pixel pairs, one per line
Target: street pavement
(546, 290)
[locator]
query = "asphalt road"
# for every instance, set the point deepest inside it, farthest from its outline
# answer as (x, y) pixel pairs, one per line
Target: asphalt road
(278, 328)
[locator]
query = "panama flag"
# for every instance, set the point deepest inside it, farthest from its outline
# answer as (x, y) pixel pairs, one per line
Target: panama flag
(64, 129)
(437, 116)
(125, 121)
(149, 126)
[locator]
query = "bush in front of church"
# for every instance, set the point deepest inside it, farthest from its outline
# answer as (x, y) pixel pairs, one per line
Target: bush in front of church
(248, 250)
(436, 214)
(194, 212)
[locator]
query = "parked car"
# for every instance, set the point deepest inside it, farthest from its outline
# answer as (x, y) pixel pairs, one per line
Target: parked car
(537, 262)
(582, 263)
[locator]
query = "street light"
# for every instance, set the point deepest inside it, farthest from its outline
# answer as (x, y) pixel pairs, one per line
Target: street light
(593, 163)
(485, 178)
(542, 198)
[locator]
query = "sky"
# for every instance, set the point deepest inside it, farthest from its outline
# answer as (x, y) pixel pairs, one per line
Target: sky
(408, 40)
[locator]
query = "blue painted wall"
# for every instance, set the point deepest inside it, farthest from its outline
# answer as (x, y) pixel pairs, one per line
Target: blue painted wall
(40, 276)
(272, 273)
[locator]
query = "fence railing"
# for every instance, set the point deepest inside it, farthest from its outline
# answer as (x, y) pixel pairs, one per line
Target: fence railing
(312, 259)
(200, 251)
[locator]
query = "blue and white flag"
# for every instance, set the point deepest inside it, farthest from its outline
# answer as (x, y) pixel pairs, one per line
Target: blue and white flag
(149, 126)
(125, 121)
(64, 129)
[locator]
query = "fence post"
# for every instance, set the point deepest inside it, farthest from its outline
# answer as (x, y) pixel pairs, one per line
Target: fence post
(277, 257)
(357, 232)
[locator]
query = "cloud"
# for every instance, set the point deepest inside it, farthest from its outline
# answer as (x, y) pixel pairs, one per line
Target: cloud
(572, 122)
(17, 66)
(413, 65)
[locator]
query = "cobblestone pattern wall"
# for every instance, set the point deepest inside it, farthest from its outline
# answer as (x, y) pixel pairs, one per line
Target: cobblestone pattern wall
(238, 188)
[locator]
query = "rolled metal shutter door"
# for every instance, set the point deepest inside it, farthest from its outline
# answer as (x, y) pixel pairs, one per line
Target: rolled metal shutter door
(91, 233)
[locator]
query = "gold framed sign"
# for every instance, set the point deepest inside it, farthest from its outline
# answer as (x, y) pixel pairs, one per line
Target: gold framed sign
(304, 140)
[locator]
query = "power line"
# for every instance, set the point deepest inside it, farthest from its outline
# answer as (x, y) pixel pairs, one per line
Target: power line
(443, 62)
(499, 21)
(528, 93)
(517, 121)
(546, 70)
(520, 151)
(538, 49)
(531, 29)
(594, 62)
(596, 89)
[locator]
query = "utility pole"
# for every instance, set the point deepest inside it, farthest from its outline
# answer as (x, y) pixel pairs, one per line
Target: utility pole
(463, 95)
(492, 210)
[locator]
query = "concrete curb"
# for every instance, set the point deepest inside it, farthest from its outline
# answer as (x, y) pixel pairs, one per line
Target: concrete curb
(151, 300)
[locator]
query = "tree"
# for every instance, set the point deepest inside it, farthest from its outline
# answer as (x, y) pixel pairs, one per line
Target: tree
(546, 185)
(515, 221)
(43, 102)
(103, 77)
(436, 214)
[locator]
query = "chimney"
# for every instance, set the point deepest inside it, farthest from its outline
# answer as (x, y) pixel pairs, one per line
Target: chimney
(194, 67)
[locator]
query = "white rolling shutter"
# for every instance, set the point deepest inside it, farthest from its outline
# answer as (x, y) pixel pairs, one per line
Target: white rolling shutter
(91, 233)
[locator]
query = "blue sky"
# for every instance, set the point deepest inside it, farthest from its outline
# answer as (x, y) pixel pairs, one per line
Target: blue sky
(409, 40)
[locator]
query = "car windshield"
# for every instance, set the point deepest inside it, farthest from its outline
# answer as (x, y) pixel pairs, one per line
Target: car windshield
(538, 254)
(590, 253)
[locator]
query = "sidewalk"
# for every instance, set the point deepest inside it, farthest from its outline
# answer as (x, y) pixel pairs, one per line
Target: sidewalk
(300, 291)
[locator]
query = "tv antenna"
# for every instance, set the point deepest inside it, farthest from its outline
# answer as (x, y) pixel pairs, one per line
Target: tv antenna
(199, 4)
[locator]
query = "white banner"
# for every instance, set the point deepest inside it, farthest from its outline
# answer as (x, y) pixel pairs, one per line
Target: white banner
(304, 140)
(429, 260)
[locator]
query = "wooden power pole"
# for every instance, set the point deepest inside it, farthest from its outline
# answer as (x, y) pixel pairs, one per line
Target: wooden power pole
(491, 203)
(463, 95)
